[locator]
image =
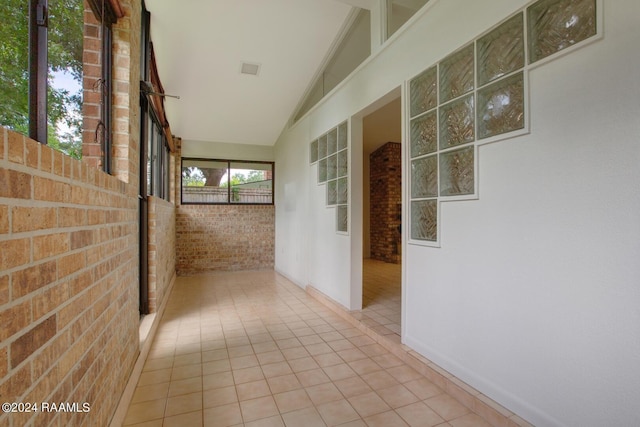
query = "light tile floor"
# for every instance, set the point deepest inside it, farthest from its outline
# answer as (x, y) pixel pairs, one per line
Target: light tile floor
(253, 349)
(381, 297)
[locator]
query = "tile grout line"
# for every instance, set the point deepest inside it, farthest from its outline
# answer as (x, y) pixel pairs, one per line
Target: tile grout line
(481, 405)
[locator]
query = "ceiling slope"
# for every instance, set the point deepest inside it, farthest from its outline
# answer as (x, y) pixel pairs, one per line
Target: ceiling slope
(200, 46)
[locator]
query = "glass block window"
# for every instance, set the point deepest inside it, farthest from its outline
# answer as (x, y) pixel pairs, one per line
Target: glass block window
(456, 74)
(501, 51)
(501, 106)
(477, 95)
(555, 25)
(331, 154)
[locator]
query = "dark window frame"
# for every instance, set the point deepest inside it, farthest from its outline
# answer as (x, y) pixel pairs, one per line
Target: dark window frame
(107, 16)
(229, 162)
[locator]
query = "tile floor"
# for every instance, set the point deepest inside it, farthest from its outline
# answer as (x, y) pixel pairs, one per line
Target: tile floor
(253, 349)
(381, 296)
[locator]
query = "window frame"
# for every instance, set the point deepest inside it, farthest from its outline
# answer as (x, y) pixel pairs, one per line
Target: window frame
(229, 163)
(107, 15)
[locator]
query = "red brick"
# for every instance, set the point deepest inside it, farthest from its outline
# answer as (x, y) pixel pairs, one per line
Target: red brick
(3, 133)
(81, 239)
(14, 318)
(58, 165)
(50, 190)
(4, 219)
(70, 264)
(31, 341)
(29, 219)
(15, 387)
(31, 279)
(50, 245)
(46, 158)
(14, 184)
(50, 299)
(95, 217)
(4, 292)
(16, 147)
(15, 253)
(31, 153)
(4, 362)
(72, 217)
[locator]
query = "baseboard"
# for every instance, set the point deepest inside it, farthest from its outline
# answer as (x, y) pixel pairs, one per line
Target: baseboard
(492, 412)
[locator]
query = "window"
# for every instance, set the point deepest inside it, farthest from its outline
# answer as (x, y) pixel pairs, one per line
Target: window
(238, 182)
(98, 140)
(158, 160)
(41, 71)
(352, 50)
(330, 153)
(155, 133)
(477, 95)
(399, 12)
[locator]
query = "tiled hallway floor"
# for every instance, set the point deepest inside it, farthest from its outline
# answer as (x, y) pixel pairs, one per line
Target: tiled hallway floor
(253, 349)
(381, 296)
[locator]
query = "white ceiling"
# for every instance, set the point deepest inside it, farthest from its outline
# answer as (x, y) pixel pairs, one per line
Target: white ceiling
(200, 45)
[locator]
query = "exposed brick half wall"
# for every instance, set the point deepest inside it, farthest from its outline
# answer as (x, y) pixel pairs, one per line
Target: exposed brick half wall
(68, 284)
(224, 238)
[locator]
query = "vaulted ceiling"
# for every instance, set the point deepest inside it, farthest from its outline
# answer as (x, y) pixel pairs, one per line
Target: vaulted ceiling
(201, 44)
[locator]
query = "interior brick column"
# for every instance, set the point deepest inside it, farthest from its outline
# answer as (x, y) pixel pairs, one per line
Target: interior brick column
(386, 202)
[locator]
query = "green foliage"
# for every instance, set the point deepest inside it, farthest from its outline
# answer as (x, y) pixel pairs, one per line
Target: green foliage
(65, 46)
(192, 177)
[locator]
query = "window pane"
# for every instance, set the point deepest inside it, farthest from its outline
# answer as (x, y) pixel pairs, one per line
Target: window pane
(251, 182)
(558, 24)
(64, 98)
(400, 11)
(150, 136)
(204, 181)
(354, 48)
(14, 63)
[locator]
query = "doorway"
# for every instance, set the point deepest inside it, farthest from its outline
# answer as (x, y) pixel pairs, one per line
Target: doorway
(382, 219)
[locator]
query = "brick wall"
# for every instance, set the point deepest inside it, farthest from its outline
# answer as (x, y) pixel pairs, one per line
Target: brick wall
(385, 176)
(126, 69)
(221, 237)
(162, 252)
(91, 98)
(68, 284)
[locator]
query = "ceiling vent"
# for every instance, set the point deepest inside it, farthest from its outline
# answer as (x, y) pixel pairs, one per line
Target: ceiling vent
(251, 69)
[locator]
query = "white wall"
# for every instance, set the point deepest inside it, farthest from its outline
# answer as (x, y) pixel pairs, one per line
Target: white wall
(226, 151)
(534, 295)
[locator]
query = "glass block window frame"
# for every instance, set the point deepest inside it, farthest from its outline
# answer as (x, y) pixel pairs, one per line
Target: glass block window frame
(330, 152)
(446, 125)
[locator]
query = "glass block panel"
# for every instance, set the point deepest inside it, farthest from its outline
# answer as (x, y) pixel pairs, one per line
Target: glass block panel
(322, 170)
(424, 220)
(332, 192)
(322, 147)
(424, 177)
(501, 106)
(456, 74)
(343, 191)
(424, 134)
(332, 167)
(557, 24)
(314, 151)
(424, 91)
(342, 136)
(501, 51)
(332, 142)
(456, 172)
(342, 218)
(456, 123)
(343, 160)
